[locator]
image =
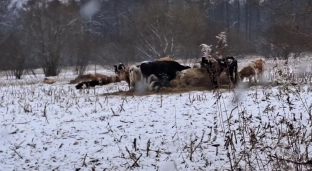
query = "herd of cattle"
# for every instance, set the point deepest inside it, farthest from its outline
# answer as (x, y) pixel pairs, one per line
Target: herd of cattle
(164, 72)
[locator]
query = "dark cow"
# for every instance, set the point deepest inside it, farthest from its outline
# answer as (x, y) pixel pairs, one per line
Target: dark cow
(161, 67)
(164, 80)
(216, 66)
(121, 66)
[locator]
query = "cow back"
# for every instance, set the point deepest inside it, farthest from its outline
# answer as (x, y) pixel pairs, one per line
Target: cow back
(158, 67)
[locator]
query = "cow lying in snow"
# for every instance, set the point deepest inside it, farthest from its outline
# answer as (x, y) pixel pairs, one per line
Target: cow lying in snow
(100, 81)
(161, 67)
(87, 84)
(216, 66)
(87, 77)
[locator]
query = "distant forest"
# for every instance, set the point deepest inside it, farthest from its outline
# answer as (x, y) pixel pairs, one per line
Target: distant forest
(52, 34)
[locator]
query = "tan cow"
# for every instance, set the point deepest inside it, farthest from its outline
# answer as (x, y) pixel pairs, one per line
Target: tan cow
(124, 75)
(253, 70)
(258, 65)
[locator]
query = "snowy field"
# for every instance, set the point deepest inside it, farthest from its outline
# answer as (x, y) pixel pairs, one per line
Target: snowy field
(56, 127)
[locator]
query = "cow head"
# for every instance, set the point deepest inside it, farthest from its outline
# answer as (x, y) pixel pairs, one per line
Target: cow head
(121, 66)
(204, 62)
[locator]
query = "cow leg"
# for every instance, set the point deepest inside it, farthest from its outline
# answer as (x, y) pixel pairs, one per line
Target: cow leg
(212, 79)
(250, 81)
(260, 76)
(235, 74)
(230, 77)
(256, 78)
(215, 81)
(230, 73)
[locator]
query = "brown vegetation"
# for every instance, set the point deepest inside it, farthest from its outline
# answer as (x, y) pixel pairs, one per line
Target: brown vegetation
(196, 77)
(164, 59)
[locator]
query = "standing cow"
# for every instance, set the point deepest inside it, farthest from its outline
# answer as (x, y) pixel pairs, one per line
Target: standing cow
(161, 67)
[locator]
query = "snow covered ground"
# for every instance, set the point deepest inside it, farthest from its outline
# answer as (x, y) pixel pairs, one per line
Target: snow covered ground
(56, 127)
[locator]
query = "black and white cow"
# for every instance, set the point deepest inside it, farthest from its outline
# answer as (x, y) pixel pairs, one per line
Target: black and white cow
(119, 67)
(216, 66)
(88, 84)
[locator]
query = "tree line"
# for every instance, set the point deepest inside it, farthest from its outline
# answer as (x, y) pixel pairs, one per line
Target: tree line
(52, 34)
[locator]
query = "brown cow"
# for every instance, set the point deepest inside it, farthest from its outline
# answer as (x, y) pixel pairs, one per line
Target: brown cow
(103, 80)
(87, 77)
(254, 69)
(258, 65)
(248, 72)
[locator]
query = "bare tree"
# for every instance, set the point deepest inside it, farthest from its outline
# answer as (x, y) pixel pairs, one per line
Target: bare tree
(156, 43)
(288, 32)
(15, 57)
(13, 41)
(49, 26)
(84, 52)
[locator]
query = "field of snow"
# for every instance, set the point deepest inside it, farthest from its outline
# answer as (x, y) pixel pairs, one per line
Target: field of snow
(56, 127)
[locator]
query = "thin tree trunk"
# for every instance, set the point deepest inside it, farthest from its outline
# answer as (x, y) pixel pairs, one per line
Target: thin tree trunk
(227, 15)
(246, 19)
(258, 20)
(250, 8)
(238, 16)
